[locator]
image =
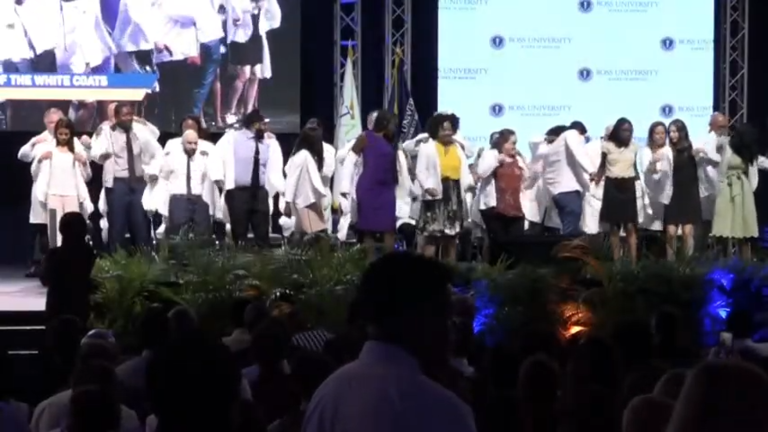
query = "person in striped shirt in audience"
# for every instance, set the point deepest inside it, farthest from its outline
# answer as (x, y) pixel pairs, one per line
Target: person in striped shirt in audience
(302, 335)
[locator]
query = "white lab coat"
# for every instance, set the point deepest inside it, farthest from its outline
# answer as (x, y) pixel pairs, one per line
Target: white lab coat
(708, 173)
(86, 42)
(14, 47)
(177, 30)
(240, 28)
(138, 26)
(429, 176)
(538, 206)
(329, 167)
(593, 197)
(654, 180)
(275, 178)
(29, 153)
(303, 186)
(41, 174)
(158, 200)
(345, 182)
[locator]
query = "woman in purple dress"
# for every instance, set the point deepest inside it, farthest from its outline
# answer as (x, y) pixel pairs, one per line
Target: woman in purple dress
(375, 190)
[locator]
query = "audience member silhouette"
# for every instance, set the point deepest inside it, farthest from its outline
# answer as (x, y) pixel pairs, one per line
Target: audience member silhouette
(67, 271)
(93, 409)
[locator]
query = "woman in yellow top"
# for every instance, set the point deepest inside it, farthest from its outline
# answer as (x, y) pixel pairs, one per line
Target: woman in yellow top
(443, 175)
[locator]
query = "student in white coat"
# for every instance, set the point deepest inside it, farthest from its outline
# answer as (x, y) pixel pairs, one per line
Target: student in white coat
(503, 175)
(329, 167)
(210, 35)
(540, 211)
(131, 159)
(566, 172)
(186, 175)
(593, 199)
(61, 171)
(305, 192)
(709, 172)
(442, 171)
(137, 35)
(649, 161)
(248, 23)
(253, 175)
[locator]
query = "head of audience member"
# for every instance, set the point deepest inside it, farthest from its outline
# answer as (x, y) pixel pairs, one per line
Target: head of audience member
(671, 384)
(189, 139)
(538, 390)
(385, 124)
(98, 351)
(99, 335)
(193, 123)
(270, 343)
(657, 135)
(622, 133)
(73, 229)
(442, 127)
(639, 383)
(153, 329)
(124, 116)
(506, 143)
(405, 301)
(291, 316)
(194, 385)
(647, 413)
(718, 123)
(371, 119)
(679, 138)
(182, 322)
(578, 127)
(554, 132)
(311, 139)
(51, 117)
(719, 395)
(257, 123)
(95, 373)
(64, 131)
(310, 369)
(93, 409)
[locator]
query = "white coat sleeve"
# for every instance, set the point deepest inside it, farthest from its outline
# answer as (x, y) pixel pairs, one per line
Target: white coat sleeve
(488, 162)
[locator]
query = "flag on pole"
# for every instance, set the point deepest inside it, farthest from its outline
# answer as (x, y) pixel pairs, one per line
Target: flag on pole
(348, 124)
(401, 103)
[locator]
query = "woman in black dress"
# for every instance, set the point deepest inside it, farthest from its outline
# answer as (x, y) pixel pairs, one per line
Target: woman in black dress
(683, 210)
(619, 207)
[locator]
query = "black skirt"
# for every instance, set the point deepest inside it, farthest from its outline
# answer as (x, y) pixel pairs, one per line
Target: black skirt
(684, 206)
(619, 201)
(250, 52)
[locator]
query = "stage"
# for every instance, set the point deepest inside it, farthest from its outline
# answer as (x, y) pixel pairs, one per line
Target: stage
(20, 294)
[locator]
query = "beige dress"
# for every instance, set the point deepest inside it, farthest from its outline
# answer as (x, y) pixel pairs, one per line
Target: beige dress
(310, 219)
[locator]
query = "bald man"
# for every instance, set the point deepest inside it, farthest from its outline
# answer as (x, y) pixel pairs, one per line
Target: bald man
(185, 173)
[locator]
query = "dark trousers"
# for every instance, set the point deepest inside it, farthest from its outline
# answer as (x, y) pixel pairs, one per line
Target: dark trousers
(407, 231)
(188, 211)
(40, 243)
(502, 230)
(569, 207)
(175, 98)
(210, 60)
(125, 213)
(248, 207)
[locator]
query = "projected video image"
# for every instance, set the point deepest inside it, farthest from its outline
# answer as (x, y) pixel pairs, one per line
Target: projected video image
(530, 65)
(215, 58)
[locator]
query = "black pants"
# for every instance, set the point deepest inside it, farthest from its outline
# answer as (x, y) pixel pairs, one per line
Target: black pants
(407, 231)
(175, 98)
(40, 243)
(249, 208)
(126, 214)
(502, 231)
(188, 211)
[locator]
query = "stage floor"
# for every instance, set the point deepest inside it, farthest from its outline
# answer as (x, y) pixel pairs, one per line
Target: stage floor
(20, 294)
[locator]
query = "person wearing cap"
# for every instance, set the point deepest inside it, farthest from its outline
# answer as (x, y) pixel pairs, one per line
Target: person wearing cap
(253, 175)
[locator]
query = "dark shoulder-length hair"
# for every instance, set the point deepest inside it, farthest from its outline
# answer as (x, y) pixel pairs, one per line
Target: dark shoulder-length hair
(683, 138)
(615, 135)
(652, 129)
(311, 140)
(555, 131)
(66, 123)
(745, 143)
(436, 122)
(503, 136)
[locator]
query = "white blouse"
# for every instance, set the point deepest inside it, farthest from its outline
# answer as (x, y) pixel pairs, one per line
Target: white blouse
(619, 161)
(63, 180)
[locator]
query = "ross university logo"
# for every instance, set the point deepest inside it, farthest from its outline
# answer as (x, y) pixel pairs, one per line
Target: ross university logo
(669, 111)
(461, 73)
(497, 110)
(586, 74)
(539, 110)
(539, 42)
(498, 42)
(691, 44)
(462, 5)
(617, 6)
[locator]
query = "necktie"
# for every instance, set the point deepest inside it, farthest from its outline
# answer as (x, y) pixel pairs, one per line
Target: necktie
(130, 156)
(189, 175)
(255, 176)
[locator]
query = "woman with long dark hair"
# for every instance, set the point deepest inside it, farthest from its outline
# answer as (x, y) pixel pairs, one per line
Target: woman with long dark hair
(649, 162)
(681, 194)
(62, 172)
(735, 216)
(502, 172)
(618, 169)
(443, 173)
(304, 187)
(376, 186)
